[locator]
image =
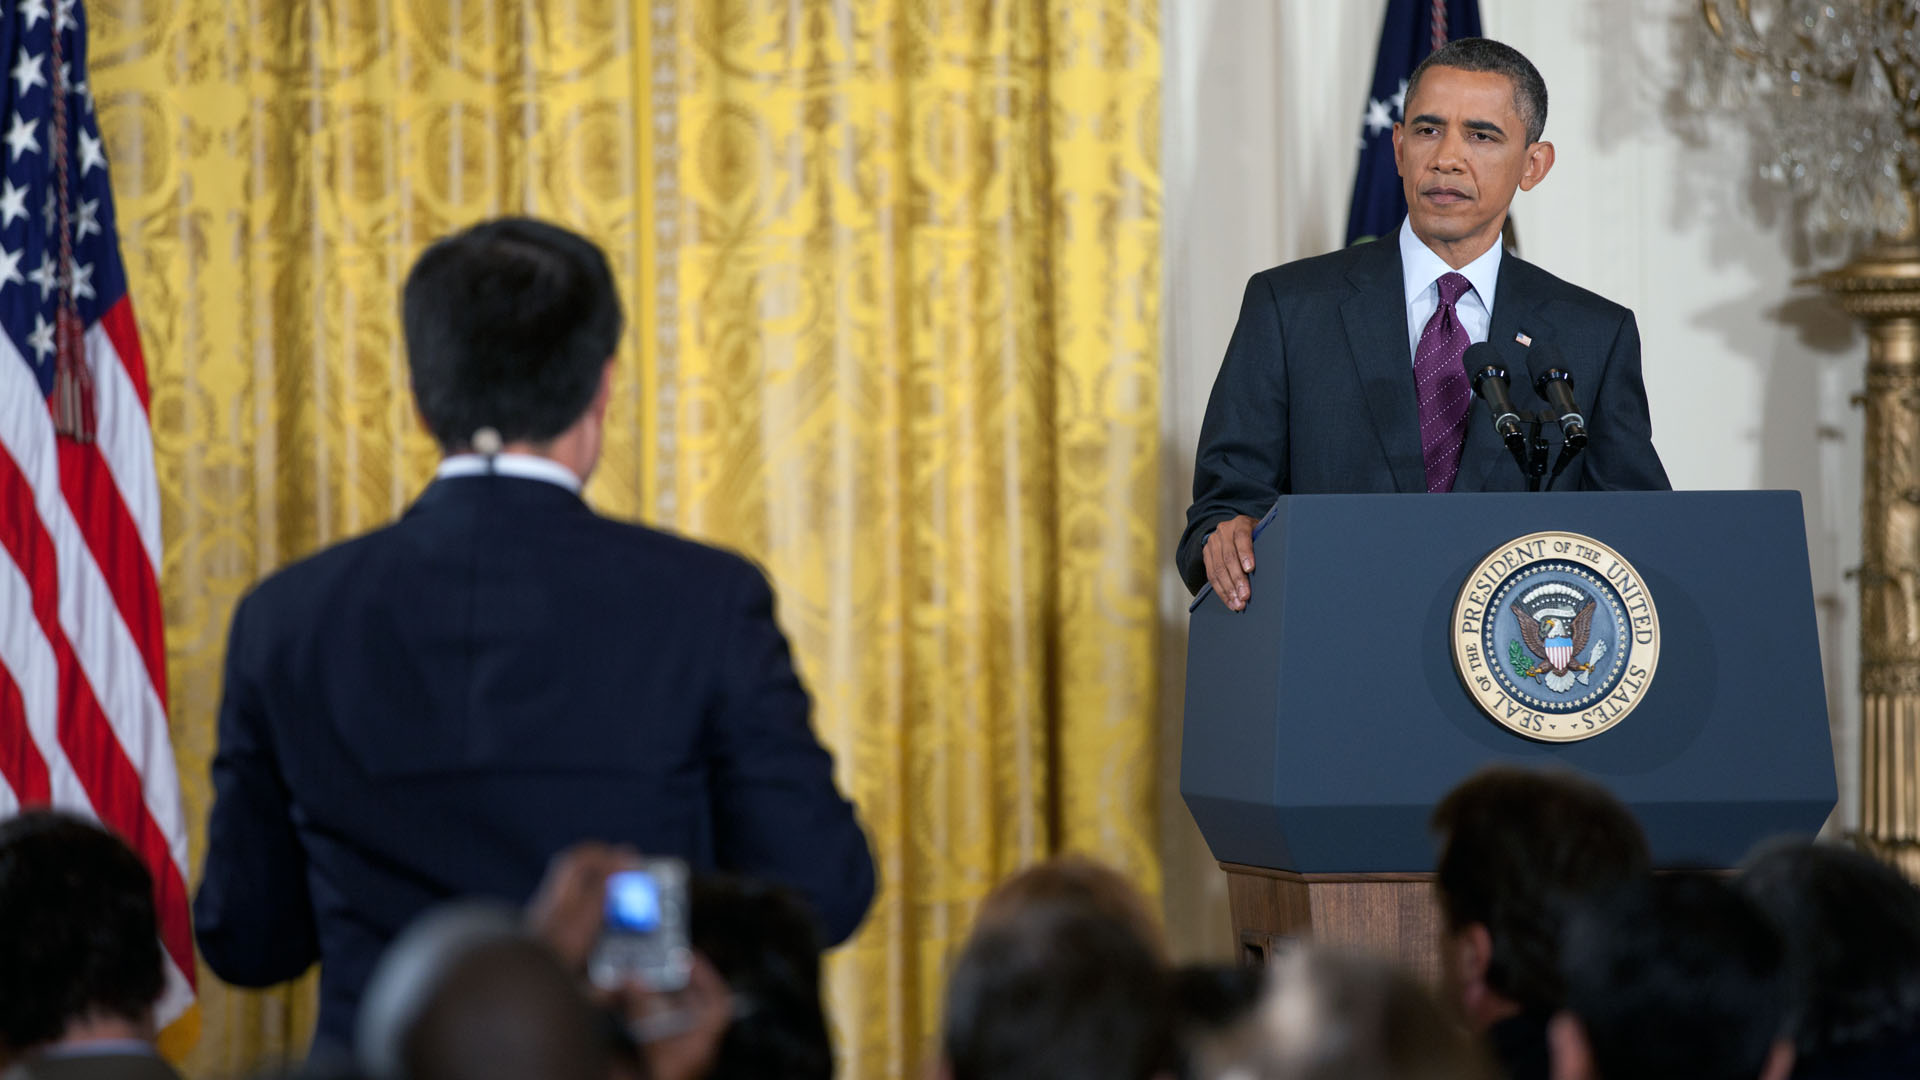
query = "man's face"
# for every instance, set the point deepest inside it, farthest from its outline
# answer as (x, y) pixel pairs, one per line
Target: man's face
(1462, 151)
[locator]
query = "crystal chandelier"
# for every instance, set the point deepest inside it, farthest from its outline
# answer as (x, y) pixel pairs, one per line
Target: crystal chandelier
(1831, 91)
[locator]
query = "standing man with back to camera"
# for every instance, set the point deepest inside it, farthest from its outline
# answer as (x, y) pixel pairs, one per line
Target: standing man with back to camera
(438, 708)
(1344, 373)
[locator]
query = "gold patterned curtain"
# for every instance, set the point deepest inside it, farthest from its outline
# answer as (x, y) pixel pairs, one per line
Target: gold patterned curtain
(892, 268)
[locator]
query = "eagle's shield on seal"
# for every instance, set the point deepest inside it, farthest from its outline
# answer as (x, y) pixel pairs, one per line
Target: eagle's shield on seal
(1556, 620)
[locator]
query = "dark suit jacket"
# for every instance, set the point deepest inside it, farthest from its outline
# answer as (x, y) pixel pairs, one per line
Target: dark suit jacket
(108, 1065)
(437, 708)
(1316, 393)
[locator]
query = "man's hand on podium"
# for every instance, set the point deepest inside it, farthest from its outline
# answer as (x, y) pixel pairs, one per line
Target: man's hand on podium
(1229, 558)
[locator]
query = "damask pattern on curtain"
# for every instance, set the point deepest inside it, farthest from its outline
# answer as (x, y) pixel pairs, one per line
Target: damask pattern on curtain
(891, 269)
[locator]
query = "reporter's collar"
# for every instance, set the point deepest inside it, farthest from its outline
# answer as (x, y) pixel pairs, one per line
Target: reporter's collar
(523, 466)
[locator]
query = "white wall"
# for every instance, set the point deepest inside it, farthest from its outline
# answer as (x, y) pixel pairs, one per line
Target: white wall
(1748, 374)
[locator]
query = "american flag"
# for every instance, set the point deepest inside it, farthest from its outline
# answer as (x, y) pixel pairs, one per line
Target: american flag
(1409, 30)
(83, 681)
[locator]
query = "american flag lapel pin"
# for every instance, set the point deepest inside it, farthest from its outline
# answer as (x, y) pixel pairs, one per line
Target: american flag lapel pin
(1523, 339)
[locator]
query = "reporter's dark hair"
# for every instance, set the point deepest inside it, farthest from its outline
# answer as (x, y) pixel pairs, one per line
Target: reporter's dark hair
(78, 934)
(1517, 847)
(1852, 928)
(1211, 1005)
(765, 942)
(1056, 991)
(1677, 977)
(509, 325)
(1497, 57)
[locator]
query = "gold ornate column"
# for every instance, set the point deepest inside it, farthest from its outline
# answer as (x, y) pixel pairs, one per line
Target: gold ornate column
(1831, 89)
(1882, 288)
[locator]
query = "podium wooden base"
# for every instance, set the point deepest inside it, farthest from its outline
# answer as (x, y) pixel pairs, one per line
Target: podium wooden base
(1393, 914)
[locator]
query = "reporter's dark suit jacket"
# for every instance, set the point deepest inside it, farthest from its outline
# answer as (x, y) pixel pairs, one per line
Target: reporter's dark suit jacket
(437, 708)
(78, 1063)
(1316, 392)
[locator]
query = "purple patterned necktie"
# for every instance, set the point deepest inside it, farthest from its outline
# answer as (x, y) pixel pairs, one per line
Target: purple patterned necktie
(1441, 384)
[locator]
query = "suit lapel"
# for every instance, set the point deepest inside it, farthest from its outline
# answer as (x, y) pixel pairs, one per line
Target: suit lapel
(1515, 312)
(1376, 321)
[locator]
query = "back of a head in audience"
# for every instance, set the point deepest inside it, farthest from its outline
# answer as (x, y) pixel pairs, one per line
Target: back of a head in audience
(763, 940)
(1852, 929)
(1332, 1015)
(1678, 977)
(79, 943)
(465, 994)
(1062, 979)
(1213, 1009)
(1078, 882)
(1517, 848)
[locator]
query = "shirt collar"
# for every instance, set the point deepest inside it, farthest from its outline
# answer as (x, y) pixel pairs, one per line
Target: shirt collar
(523, 466)
(1420, 267)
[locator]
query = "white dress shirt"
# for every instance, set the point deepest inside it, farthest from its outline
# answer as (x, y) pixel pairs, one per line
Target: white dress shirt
(1421, 271)
(524, 466)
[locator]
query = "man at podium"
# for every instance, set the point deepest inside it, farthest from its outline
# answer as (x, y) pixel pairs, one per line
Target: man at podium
(1345, 371)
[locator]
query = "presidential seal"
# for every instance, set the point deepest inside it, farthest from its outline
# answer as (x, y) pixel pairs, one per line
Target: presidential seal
(1555, 636)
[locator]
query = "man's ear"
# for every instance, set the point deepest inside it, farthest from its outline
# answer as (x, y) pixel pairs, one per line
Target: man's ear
(605, 393)
(1469, 953)
(1473, 953)
(1399, 132)
(1539, 162)
(1572, 1057)
(1779, 1061)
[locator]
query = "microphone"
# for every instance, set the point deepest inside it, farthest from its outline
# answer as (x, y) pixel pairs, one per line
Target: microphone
(1489, 377)
(1556, 385)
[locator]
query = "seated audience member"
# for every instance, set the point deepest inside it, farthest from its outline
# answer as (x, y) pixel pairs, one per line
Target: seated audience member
(80, 962)
(1213, 1010)
(466, 994)
(1331, 1015)
(1852, 930)
(1677, 977)
(1076, 881)
(765, 945)
(1060, 980)
(1517, 848)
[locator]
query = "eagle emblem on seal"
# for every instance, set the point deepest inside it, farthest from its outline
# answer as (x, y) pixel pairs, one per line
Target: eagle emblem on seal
(1556, 621)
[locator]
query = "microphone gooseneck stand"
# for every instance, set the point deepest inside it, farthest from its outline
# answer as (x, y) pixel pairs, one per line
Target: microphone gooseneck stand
(1533, 457)
(1522, 431)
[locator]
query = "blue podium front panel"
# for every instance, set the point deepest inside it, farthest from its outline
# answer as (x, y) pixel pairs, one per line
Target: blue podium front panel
(1325, 721)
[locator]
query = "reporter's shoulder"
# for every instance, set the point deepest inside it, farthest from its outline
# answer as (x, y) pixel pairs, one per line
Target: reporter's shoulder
(1546, 288)
(314, 574)
(677, 554)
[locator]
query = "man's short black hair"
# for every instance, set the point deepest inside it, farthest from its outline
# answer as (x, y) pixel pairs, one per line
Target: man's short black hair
(1517, 847)
(1499, 58)
(1057, 991)
(78, 934)
(509, 325)
(1852, 929)
(1677, 977)
(1210, 1004)
(765, 942)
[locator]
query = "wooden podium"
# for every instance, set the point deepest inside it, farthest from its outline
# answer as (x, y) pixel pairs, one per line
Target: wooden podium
(1395, 914)
(1325, 721)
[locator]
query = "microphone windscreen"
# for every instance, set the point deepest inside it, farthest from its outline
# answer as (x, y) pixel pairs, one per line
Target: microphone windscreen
(1478, 359)
(1543, 356)
(1480, 354)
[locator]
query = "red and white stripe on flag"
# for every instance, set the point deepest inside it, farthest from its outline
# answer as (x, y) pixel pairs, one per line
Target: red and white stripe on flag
(83, 683)
(83, 722)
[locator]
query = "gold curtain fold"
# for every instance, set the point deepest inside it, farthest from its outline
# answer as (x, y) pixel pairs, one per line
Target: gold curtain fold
(892, 276)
